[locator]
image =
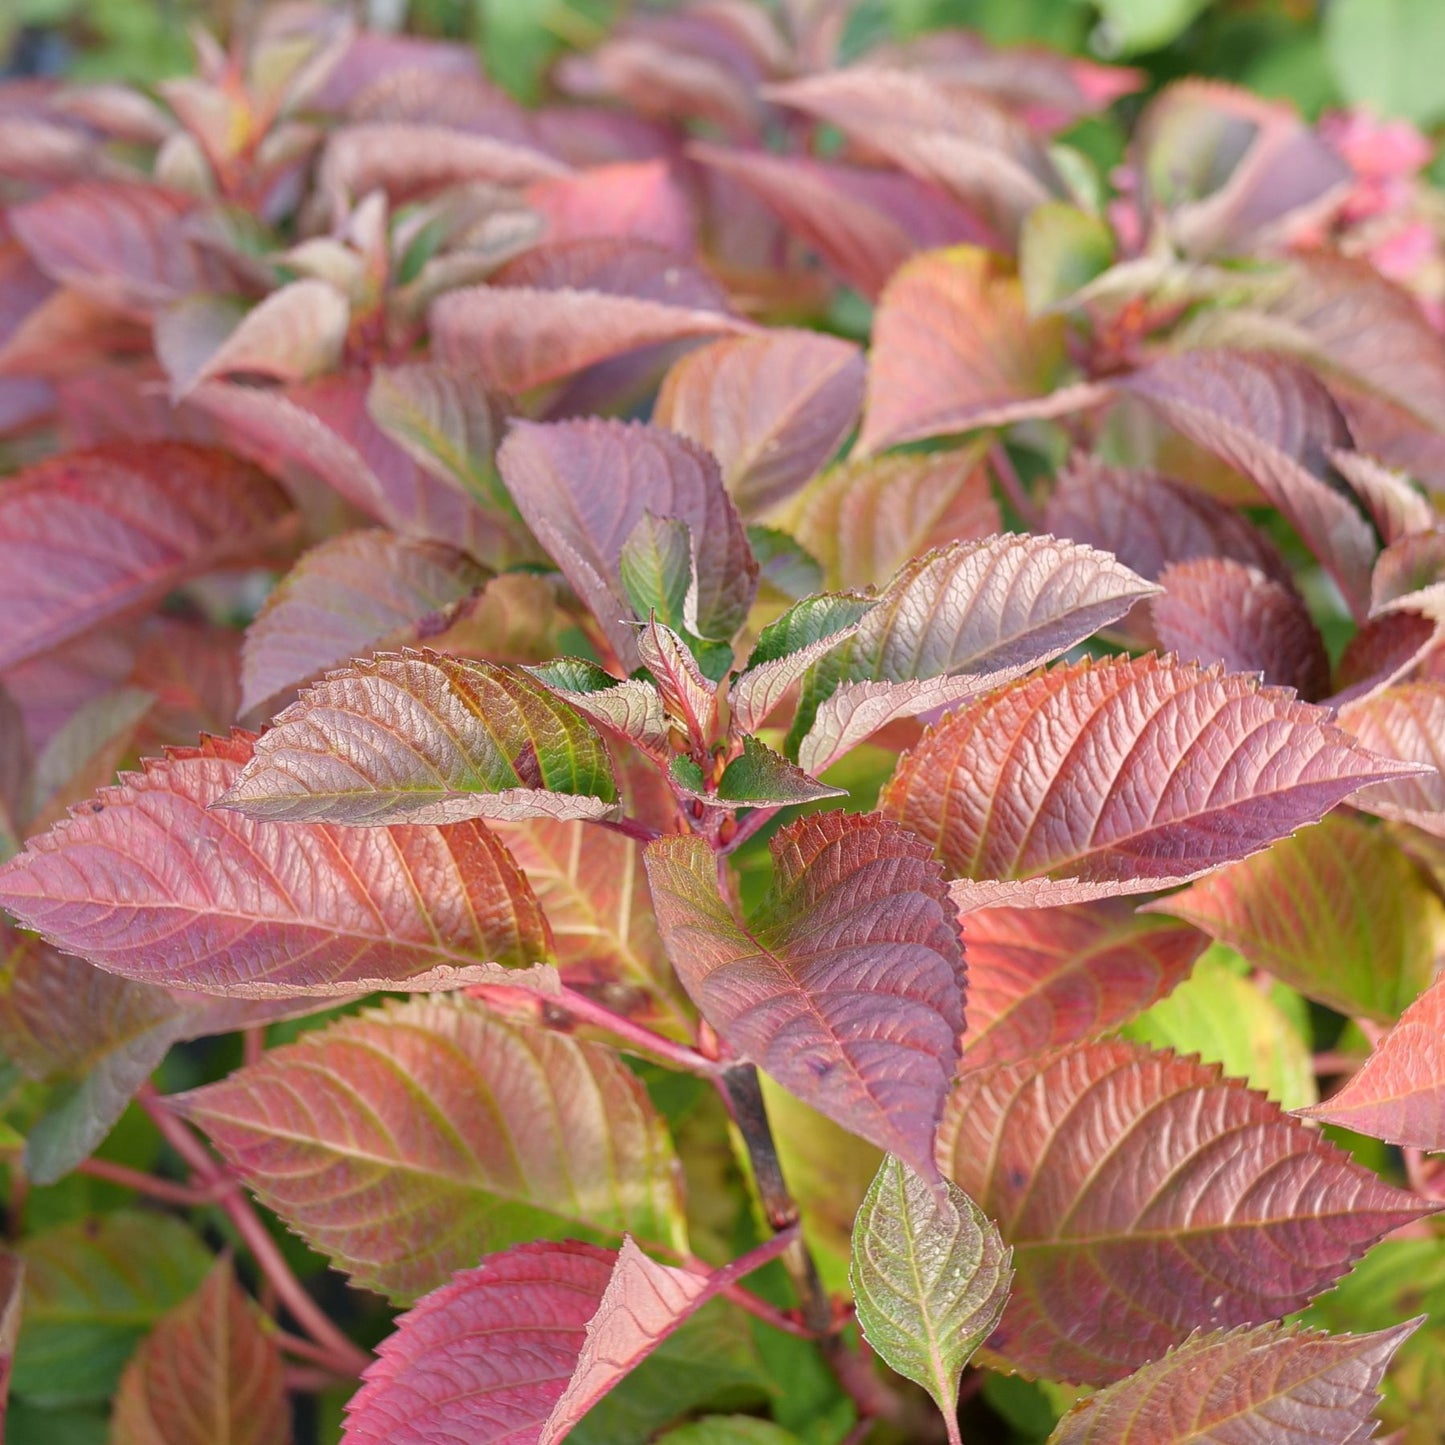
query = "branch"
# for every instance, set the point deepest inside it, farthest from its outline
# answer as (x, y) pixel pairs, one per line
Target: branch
(164, 1190)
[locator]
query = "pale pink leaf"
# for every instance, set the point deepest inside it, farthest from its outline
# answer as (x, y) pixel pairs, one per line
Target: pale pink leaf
(846, 987)
(151, 882)
(485, 1357)
(618, 266)
(87, 535)
(1406, 721)
(407, 1141)
(1276, 1383)
(1146, 1196)
(1123, 776)
(772, 408)
(639, 199)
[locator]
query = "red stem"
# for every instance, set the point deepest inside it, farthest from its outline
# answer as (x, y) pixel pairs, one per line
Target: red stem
(633, 828)
(164, 1190)
(1013, 486)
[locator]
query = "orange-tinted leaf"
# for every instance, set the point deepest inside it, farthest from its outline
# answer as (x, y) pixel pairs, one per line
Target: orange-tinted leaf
(1218, 611)
(89, 534)
(210, 1371)
(1121, 777)
(847, 987)
(1145, 1196)
(1337, 912)
(954, 349)
(1039, 978)
(1406, 721)
(1275, 1382)
(151, 882)
(485, 1357)
(772, 409)
(1399, 1092)
(407, 1141)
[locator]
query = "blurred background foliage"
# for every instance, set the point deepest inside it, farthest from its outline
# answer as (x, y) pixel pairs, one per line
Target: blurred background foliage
(1388, 55)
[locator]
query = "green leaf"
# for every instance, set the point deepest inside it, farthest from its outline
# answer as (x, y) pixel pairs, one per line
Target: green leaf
(785, 563)
(1061, 248)
(92, 1290)
(1226, 1020)
(1138, 25)
(656, 569)
(931, 1277)
(1388, 55)
(760, 777)
(729, 1430)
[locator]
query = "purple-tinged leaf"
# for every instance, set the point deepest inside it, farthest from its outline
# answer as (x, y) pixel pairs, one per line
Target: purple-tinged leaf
(1411, 565)
(1399, 1092)
(1146, 1196)
(864, 223)
(639, 199)
(689, 698)
(345, 597)
(847, 987)
(417, 737)
(151, 882)
(866, 520)
(930, 1276)
(630, 708)
(1121, 777)
(1337, 912)
(1219, 611)
(520, 337)
(292, 335)
(616, 266)
(1272, 420)
(405, 1141)
(1276, 1383)
(1398, 508)
(209, 1371)
(1387, 649)
(1406, 721)
(584, 486)
(643, 1304)
(485, 1357)
(1039, 978)
(954, 349)
(91, 534)
(772, 409)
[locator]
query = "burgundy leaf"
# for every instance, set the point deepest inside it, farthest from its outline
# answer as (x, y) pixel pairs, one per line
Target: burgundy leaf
(1338, 912)
(1406, 722)
(1275, 1382)
(345, 597)
(1399, 1092)
(1146, 1196)
(407, 1141)
(485, 1357)
(210, 1371)
(640, 199)
(846, 987)
(1385, 650)
(1273, 421)
(584, 486)
(772, 409)
(865, 520)
(90, 534)
(954, 349)
(149, 881)
(418, 737)
(1120, 777)
(1042, 977)
(1218, 611)
(864, 223)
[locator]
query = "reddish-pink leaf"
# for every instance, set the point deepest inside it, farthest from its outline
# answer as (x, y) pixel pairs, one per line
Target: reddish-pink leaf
(954, 349)
(520, 337)
(485, 1357)
(643, 1304)
(210, 1371)
(1385, 650)
(1272, 420)
(149, 881)
(121, 244)
(1406, 722)
(89, 534)
(1399, 508)
(1042, 977)
(1274, 1383)
(1122, 776)
(1146, 1196)
(616, 266)
(1218, 611)
(864, 223)
(1399, 1092)
(847, 987)
(1410, 565)
(772, 408)
(344, 598)
(407, 1141)
(640, 199)
(583, 487)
